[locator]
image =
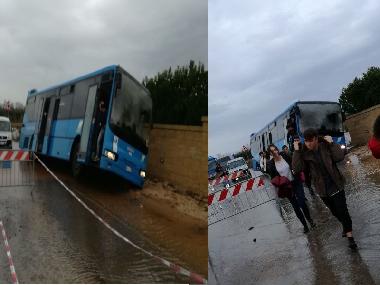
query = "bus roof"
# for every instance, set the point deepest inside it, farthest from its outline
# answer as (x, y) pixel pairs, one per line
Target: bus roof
(94, 73)
(290, 107)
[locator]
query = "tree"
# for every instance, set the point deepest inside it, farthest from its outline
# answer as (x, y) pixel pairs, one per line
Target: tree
(15, 112)
(179, 97)
(361, 93)
(246, 154)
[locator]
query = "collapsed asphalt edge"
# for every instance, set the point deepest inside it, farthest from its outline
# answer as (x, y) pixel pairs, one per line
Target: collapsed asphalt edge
(176, 268)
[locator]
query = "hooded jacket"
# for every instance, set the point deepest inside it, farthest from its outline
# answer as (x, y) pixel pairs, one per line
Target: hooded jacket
(331, 153)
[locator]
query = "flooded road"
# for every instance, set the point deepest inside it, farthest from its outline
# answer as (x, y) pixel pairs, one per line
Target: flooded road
(261, 246)
(53, 239)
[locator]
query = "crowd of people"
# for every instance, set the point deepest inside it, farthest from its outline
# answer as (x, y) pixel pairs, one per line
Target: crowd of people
(314, 162)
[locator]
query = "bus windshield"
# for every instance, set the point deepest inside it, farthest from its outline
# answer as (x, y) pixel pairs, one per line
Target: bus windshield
(5, 126)
(131, 114)
(325, 117)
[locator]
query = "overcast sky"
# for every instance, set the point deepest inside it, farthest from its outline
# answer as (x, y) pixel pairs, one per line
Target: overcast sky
(264, 55)
(43, 42)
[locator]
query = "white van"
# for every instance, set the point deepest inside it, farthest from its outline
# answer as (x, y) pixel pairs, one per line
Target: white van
(236, 164)
(5, 133)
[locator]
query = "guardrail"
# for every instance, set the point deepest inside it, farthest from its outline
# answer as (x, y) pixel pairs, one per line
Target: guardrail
(16, 168)
(239, 198)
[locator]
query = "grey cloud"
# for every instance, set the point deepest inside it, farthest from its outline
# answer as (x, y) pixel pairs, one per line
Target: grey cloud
(45, 42)
(264, 56)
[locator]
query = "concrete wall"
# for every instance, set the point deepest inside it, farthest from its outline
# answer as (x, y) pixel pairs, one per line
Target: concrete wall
(178, 154)
(360, 125)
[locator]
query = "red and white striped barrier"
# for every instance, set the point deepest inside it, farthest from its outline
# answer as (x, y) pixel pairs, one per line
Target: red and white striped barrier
(226, 178)
(12, 155)
(248, 185)
(8, 250)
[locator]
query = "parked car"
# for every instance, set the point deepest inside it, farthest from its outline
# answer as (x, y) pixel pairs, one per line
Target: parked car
(5, 133)
(237, 165)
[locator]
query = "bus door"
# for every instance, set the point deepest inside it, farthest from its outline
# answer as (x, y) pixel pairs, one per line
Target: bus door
(87, 123)
(99, 119)
(37, 111)
(52, 113)
(43, 124)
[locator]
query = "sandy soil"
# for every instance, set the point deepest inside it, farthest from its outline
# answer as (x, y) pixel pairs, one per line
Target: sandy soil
(187, 203)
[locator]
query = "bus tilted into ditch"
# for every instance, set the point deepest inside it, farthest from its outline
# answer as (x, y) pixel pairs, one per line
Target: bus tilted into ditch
(326, 117)
(101, 119)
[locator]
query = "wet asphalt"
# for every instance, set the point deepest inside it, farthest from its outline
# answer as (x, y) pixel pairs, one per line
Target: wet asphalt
(263, 246)
(53, 239)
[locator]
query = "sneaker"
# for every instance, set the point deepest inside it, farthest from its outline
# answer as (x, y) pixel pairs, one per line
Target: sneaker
(306, 229)
(351, 243)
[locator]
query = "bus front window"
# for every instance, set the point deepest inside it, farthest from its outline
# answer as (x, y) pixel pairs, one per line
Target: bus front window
(131, 113)
(325, 117)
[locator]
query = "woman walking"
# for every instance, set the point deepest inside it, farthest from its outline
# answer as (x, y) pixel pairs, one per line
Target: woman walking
(279, 169)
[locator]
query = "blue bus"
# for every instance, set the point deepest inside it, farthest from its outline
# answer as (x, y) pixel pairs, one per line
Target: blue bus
(324, 116)
(101, 119)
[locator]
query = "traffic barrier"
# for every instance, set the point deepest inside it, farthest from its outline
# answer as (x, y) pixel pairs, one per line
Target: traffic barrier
(8, 251)
(232, 201)
(226, 178)
(16, 168)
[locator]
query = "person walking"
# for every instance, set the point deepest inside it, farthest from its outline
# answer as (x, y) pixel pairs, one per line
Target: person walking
(263, 162)
(321, 156)
(100, 121)
(374, 142)
(286, 150)
(279, 168)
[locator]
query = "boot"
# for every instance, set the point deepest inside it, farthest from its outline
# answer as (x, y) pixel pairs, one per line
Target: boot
(306, 229)
(351, 243)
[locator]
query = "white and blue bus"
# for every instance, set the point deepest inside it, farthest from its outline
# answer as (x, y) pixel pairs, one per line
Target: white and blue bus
(326, 117)
(63, 122)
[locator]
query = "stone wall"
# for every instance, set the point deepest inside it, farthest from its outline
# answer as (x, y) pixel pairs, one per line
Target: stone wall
(178, 155)
(360, 125)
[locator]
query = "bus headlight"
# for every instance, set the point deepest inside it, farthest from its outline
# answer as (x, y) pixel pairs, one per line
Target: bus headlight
(342, 146)
(142, 173)
(110, 155)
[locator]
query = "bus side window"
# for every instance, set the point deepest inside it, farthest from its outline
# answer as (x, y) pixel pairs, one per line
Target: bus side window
(65, 106)
(80, 99)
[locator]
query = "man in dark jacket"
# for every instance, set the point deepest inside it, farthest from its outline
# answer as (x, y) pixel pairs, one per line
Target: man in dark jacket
(321, 156)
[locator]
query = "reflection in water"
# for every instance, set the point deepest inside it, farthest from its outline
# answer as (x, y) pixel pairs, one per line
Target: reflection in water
(54, 240)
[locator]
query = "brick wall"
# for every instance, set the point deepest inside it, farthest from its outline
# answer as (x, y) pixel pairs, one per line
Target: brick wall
(360, 125)
(178, 154)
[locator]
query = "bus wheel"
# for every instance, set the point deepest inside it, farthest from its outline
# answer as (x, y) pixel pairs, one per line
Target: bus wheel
(76, 167)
